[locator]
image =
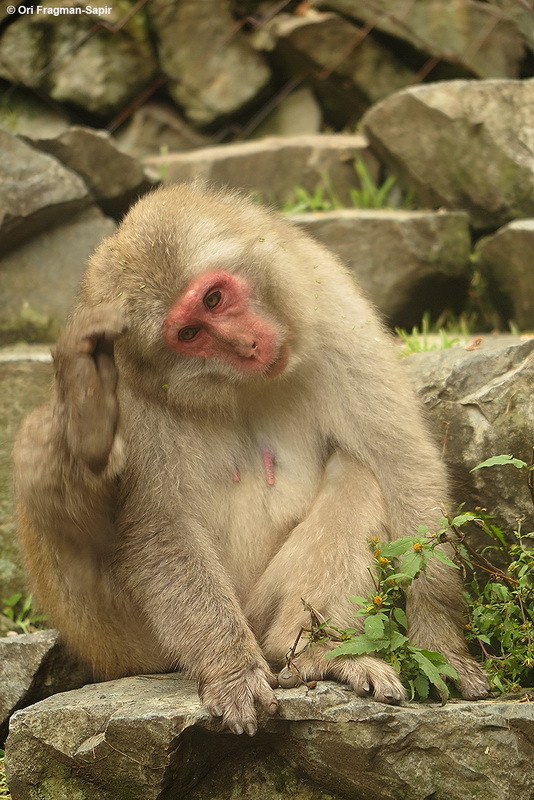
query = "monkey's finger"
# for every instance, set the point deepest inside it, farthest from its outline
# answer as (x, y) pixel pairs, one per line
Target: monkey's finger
(266, 698)
(214, 709)
(106, 369)
(91, 325)
(272, 680)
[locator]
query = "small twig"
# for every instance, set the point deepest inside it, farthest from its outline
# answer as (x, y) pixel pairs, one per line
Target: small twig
(531, 477)
(490, 655)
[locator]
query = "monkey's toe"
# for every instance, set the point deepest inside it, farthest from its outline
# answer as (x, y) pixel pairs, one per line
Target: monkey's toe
(473, 684)
(367, 676)
(370, 677)
(234, 697)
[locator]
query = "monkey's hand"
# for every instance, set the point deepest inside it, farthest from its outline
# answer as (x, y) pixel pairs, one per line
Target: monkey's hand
(86, 382)
(234, 697)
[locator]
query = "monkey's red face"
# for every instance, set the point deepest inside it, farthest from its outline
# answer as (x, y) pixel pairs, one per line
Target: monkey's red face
(214, 318)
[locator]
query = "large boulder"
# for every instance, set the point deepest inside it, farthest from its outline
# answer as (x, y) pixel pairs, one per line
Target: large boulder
(468, 33)
(481, 404)
(115, 179)
(406, 262)
(146, 738)
(214, 70)
(36, 191)
(462, 144)
(505, 260)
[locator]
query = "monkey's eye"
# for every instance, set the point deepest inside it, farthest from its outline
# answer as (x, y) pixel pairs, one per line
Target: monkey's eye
(188, 334)
(212, 299)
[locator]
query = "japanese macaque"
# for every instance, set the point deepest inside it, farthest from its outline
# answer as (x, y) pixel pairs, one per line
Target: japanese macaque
(228, 428)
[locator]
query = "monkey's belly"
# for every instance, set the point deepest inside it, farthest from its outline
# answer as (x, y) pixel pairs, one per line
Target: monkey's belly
(253, 516)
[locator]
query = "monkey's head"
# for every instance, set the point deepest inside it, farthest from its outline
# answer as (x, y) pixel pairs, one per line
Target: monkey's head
(215, 289)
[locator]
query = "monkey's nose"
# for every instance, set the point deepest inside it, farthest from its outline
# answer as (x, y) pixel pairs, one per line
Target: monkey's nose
(245, 348)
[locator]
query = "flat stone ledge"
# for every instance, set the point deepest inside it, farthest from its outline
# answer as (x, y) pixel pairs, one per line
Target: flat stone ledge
(150, 737)
(272, 167)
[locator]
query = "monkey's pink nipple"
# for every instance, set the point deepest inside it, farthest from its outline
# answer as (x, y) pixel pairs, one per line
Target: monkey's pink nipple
(268, 464)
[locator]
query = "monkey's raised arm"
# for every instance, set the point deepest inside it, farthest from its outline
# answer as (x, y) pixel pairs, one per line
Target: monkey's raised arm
(67, 453)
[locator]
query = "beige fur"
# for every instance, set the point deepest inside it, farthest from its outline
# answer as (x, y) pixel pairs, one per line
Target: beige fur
(142, 548)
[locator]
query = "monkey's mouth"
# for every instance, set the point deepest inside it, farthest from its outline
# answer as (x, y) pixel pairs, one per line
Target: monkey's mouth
(278, 365)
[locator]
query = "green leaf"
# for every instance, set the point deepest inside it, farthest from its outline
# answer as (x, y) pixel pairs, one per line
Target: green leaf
(422, 687)
(445, 559)
(500, 461)
(412, 563)
(431, 672)
(400, 617)
(449, 671)
(13, 599)
(358, 646)
(431, 655)
(461, 519)
(397, 639)
(374, 626)
(398, 547)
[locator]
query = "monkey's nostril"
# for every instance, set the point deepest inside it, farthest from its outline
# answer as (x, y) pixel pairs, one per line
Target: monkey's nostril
(254, 345)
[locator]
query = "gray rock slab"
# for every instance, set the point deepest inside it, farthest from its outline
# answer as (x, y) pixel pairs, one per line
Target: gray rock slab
(157, 128)
(334, 48)
(39, 279)
(149, 737)
(36, 191)
(272, 167)
(298, 114)
(23, 113)
(481, 404)
(471, 33)
(75, 60)
(213, 68)
(115, 179)
(506, 261)
(25, 377)
(406, 262)
(34, 666)
(462, 144)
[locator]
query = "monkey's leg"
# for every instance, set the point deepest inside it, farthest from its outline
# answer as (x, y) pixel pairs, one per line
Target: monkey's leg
(174, 575)
(325, 559)
(435, 610)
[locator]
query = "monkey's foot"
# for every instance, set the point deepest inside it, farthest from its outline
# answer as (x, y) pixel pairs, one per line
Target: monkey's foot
(234, 697)
(472, 683)
(368, 676)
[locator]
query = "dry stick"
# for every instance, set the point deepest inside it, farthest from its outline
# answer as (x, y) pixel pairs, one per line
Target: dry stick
(531, 477)
(136, 103)
(491, 568)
